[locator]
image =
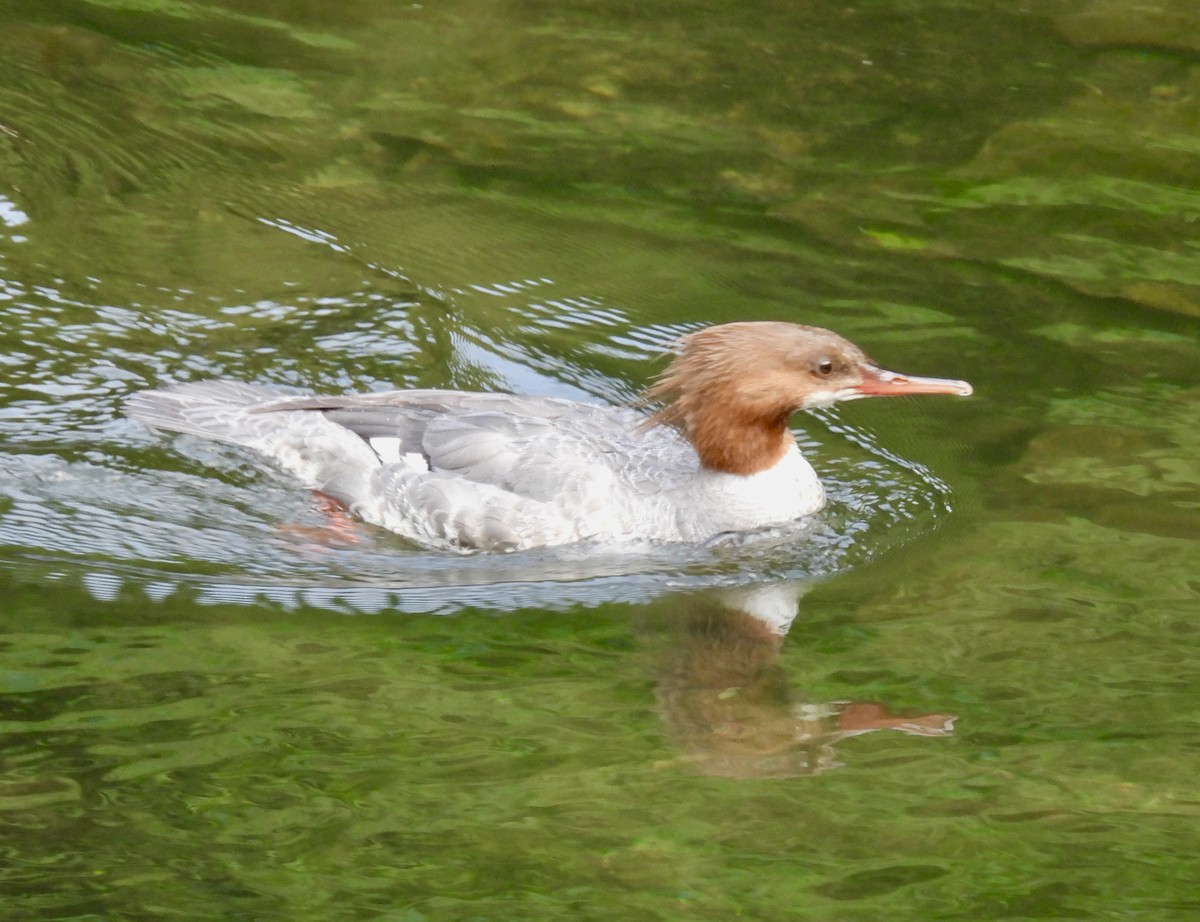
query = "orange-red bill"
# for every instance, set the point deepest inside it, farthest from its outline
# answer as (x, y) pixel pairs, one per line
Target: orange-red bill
(876, 382)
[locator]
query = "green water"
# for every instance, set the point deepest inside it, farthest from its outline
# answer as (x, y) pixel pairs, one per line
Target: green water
(210, 710)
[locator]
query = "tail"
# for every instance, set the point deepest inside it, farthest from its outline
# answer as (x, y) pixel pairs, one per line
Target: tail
(322, 454)
(211, 409)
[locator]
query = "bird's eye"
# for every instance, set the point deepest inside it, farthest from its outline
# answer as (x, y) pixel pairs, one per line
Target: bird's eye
(825, 367)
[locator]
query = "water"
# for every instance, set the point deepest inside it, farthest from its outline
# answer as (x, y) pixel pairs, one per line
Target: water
(965, 692)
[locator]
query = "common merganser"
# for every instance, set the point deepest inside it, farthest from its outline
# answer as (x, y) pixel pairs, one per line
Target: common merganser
(499, 472)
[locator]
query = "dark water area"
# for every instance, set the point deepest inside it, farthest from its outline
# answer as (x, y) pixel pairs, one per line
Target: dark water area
(966, 690)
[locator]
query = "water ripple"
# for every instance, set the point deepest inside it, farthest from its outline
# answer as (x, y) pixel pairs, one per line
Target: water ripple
(92, 495)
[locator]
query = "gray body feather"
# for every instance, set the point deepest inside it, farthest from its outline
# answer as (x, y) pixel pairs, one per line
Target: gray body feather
(459, 470)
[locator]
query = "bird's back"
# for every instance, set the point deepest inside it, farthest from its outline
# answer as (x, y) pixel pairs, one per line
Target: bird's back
(452, 468)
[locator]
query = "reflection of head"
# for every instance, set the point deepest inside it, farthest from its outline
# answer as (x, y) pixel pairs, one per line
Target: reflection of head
(725, 699)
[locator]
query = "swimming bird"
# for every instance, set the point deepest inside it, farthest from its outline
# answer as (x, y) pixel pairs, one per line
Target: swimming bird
(457, 470)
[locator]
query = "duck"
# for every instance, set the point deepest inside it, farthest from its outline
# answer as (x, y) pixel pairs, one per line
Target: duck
(706, 452)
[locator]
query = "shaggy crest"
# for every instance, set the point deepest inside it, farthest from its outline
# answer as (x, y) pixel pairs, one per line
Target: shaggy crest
(732, 388)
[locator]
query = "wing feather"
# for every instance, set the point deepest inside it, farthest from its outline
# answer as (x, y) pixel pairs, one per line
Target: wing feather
(499, 471)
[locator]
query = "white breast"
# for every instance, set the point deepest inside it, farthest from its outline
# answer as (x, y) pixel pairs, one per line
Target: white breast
(780, 494)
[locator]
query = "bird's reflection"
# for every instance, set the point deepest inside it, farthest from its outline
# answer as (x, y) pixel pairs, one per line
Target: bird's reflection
(726, 701)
